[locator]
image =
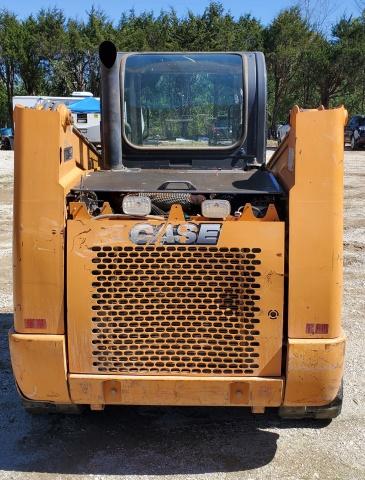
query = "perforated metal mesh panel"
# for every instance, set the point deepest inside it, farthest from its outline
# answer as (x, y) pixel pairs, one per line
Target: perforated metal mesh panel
(175, 310)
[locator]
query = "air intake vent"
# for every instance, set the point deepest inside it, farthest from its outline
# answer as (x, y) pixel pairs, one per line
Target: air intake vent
(178, 310)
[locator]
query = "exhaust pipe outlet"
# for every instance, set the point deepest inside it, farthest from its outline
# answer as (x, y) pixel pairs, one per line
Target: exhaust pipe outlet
(111, 120)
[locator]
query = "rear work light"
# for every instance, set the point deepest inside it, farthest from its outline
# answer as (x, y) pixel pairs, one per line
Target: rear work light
(216, 208)
(136, 205)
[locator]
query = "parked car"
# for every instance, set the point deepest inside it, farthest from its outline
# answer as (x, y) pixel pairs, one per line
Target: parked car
(221, 131)
(355, 132)
(282, 131)
(6, 139)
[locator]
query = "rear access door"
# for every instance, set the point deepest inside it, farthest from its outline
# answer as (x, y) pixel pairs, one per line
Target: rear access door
(167, 307)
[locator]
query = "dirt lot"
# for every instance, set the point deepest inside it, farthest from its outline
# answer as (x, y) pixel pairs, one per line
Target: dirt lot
(192, 443)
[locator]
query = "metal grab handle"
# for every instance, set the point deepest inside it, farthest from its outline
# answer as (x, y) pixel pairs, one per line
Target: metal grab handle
(165, 185)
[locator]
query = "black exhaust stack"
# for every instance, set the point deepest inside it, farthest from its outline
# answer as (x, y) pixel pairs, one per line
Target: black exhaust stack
(111, 120)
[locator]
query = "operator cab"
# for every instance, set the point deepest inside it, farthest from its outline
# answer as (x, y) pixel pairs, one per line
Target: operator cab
(191, 123)
(198, 110)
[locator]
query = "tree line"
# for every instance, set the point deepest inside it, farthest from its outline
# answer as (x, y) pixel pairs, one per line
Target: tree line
(49, 54)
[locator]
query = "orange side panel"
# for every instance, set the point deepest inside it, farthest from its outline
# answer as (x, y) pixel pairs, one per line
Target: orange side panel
(49, 158)
(316, 225)
(39, 365)
(314, 371)
(309, 165)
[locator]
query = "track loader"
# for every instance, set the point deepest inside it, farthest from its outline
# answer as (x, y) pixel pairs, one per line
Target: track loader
(177, 266)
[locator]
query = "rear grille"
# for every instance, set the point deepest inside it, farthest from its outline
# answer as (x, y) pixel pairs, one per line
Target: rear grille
(181, 310)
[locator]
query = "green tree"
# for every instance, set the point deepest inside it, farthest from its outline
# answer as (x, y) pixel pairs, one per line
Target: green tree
(145, 32)
(214, 30)
(307, 62)
(9, 48)
(345, 72)
(78, 66)
(4, 116)
(285, 42)
(41, 41)
(249, 34)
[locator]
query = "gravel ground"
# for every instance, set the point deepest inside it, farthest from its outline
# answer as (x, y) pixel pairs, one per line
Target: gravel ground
(191, 443)
(6, 215)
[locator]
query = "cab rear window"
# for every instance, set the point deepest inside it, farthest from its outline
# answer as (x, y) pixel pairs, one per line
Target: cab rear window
(183, 100)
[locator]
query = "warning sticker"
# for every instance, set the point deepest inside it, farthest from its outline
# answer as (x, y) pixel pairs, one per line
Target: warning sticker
(316, 328)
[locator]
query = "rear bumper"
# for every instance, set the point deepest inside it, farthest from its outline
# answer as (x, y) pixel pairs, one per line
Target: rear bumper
(313, 377)
(170, 390)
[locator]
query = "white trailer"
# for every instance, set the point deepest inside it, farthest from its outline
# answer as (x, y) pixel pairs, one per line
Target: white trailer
(31, 101)
(87, 122)
(86, 117)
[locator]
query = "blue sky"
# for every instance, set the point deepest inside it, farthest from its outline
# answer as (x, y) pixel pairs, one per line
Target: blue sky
(264, 10)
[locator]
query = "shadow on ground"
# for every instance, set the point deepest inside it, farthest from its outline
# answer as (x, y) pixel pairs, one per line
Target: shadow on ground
(132, 440)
